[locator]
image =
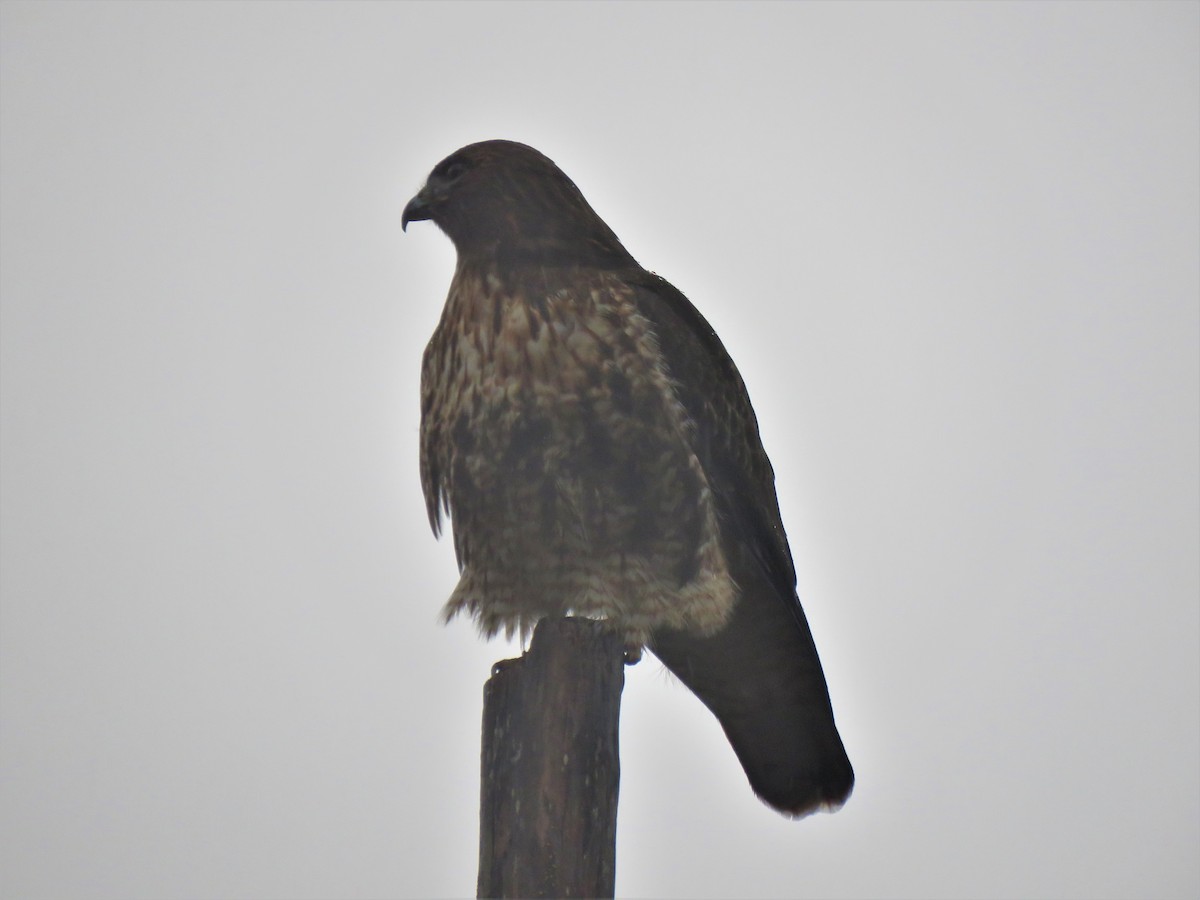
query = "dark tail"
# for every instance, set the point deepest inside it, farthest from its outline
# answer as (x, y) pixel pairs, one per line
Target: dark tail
(761, 677)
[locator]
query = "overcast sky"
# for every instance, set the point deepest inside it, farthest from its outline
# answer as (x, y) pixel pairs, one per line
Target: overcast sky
(953, 249)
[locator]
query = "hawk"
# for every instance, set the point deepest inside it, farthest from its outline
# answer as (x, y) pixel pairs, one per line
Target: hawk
(596, 451)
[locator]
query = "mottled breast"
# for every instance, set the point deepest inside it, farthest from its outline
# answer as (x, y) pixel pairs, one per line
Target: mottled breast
(552, 435)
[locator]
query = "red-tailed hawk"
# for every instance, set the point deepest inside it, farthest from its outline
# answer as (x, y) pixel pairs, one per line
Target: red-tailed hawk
(597, 453)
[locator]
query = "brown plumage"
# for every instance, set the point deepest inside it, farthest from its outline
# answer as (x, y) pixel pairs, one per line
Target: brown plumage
(596, 450)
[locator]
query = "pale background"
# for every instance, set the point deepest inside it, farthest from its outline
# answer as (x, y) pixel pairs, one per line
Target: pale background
(952, 247)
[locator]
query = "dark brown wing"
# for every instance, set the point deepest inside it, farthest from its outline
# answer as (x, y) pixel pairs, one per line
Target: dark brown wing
(726, 440)
(760, 675)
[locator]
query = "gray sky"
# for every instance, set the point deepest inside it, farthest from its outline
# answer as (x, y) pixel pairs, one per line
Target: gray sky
(954, 251)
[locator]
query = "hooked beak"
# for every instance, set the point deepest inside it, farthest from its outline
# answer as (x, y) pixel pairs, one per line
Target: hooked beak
(417, 210)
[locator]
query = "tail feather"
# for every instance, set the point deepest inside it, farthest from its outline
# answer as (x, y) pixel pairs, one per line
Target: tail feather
(762, 679)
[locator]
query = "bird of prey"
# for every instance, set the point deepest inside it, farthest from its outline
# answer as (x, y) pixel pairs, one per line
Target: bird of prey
(596, 451)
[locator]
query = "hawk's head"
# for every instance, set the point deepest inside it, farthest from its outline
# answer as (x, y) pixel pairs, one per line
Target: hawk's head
(501, 198)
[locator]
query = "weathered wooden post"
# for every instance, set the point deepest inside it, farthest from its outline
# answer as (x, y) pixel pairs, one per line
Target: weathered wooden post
(550, 765)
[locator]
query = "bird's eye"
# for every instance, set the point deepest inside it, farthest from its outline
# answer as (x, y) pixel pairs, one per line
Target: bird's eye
(454, 170)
